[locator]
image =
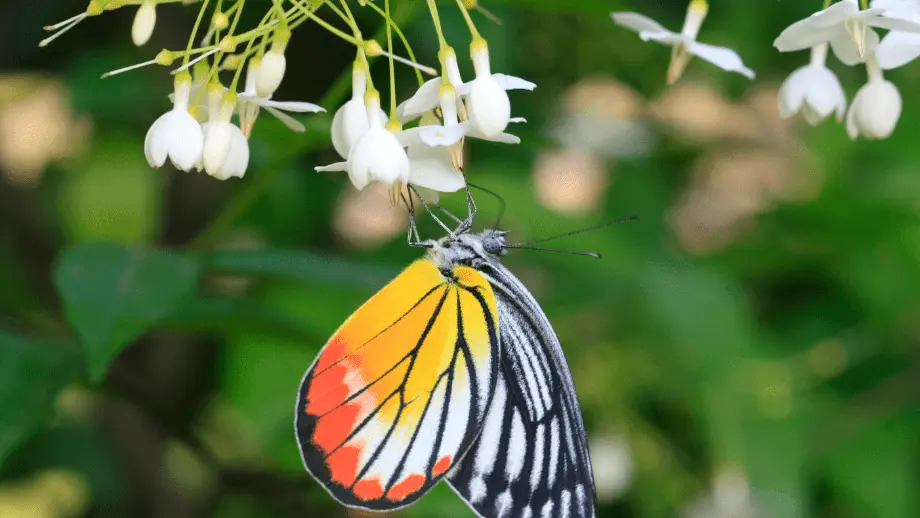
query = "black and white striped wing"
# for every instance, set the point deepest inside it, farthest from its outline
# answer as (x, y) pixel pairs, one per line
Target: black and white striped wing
(531, 459)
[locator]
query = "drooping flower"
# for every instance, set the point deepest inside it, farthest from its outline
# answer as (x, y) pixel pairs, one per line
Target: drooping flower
(846, 27)
(377, 155)
(876, 108)
(176, 134)
(898, 48)
(351, 120)
(250, 103)
(274, 65)
(813, 90)
(684, 44)
(226, 150)
(144, 21)
(487, 101)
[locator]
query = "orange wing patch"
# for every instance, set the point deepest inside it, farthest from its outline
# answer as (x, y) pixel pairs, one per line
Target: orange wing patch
(400, 391)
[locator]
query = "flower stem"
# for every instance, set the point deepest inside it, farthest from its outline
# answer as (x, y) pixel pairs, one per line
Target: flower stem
(386, 5)
(436, 18)
(469, 21)
(191, 38)
(402, 38)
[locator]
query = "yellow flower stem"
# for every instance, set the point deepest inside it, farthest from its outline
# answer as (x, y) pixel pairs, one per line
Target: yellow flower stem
(191, 38)
(863, 4)
(393, 117)
(402, 38)
(436, 18)
(469, 21)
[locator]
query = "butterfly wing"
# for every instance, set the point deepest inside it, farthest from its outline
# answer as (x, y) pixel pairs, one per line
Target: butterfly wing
(531, 458)
(400, 391)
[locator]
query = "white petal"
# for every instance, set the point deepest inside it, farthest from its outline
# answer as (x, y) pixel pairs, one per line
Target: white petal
(379, 156)
(816, 29)
(489, 106)
(513, 83)
(338, 166)
(237, 157)
(424, 99)
(217, 143)
(517, 119)
(852, 129)
(286, 119)
(442, 135)
(844, 46)
(410, 137)
(186, 140)
(724, 58)
(432, 168)
(637, 22)
(825, 93)
(893, 23)
(792, 92)
(665, 38)
(291, 106)
(897, 49)
(156, 144)
(474, 132)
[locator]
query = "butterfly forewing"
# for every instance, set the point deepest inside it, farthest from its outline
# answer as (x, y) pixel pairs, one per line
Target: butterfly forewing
(531, 458)
(400, 391)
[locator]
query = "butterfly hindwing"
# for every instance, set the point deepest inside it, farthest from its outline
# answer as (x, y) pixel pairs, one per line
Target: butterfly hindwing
(531, 458)
(400, 391)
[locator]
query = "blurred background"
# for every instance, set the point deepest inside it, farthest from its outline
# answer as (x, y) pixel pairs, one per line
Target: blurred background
(749, 348)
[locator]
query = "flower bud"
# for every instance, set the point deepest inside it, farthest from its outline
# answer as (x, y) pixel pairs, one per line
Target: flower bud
(217, 138)
(876, 108)
(144, 21)
(271, 74)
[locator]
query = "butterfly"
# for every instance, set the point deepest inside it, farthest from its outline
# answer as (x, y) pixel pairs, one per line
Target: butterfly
(452, 371)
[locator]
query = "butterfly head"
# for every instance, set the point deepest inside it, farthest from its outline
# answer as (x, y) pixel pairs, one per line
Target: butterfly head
(469, 249)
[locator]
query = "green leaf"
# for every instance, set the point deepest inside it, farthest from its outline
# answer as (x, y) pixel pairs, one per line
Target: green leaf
(31, 375)
(113, 294)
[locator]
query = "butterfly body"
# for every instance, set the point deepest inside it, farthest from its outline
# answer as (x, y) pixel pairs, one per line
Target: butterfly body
(451, 371)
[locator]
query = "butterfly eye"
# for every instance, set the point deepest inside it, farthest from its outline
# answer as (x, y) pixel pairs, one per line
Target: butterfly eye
(492, 246)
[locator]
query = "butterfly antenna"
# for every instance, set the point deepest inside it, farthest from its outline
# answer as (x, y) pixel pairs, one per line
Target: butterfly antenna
(595, 255)
(489, 14)
(576, 232)
(501, 203)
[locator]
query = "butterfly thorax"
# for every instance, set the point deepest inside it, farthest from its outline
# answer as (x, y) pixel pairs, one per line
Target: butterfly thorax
(468, 250)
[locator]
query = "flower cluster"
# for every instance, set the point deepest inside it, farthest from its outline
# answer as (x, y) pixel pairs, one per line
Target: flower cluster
(199, 132)
(848, 27)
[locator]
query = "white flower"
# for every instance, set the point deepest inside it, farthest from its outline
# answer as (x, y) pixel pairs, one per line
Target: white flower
(876, 108)
(226, 150)
(813, 90)
(898, 48)
(274, 65)
(176, 133)
(846, 27)
(432, 169)
(250, 102)
(684, 43)
(144, 21)
(351, 120)
(452, 131)
(426, 98)
(488, 104)
(376, 156)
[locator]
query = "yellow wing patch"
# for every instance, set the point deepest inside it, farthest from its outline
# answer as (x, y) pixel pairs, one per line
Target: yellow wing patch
(400, 391)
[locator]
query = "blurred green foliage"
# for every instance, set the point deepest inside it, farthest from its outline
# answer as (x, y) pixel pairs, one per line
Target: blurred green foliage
(146, 313)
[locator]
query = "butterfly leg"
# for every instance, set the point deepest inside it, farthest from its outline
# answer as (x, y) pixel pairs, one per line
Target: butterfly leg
(471, 211)
(413, 226)
(427, 208)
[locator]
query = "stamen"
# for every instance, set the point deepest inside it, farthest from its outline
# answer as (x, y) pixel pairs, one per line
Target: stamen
(77, 19)
(129, 68)
(426, 69)
(68, 21)
(196, 60)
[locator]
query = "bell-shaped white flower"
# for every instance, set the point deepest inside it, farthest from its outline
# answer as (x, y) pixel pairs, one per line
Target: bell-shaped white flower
(226, 150)
(250, 102)
(898, 48)
(274, 65)
(452, 131)
(487, 102)
(176, 134)
(351, 122)
(813, 90)
(876, 108)
(377, 155)
(432, 169)
(426, 98)
(684, 44)
(144, 21)
(846, 27)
